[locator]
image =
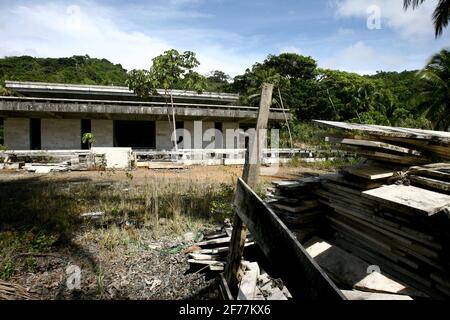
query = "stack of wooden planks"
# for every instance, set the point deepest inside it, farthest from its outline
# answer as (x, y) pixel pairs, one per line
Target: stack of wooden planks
(391, 210)
(389, 144)
(211, 253)
(297, 206)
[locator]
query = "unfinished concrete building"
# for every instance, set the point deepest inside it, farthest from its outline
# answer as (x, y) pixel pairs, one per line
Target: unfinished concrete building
(52, 116)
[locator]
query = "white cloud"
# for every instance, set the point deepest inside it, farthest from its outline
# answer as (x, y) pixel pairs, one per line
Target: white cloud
(290, 49)
(64, 29)
(410, 23)
(362, 59)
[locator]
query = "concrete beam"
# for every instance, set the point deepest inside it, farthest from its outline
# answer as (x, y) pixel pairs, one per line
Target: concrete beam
(104, 110)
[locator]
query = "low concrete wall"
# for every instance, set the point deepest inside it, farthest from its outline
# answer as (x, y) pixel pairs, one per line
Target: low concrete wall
(61, 134)
(116, 158)
(103, 133)
(17, 133)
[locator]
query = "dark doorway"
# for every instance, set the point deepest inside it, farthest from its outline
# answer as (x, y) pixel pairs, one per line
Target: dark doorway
(245, 127)
(179, 125)
(219, 135)
(85, 128)
(35, 134)
(134, 134)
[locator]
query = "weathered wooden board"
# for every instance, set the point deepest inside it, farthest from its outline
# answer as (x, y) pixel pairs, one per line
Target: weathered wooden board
(437, 185)
(304, 206)
(410, 198)
(370, 171)
(351, 271)
(361, 185)
(439, 136)
(388, 157)
(361, 295)
(373, 144)
(301, 274)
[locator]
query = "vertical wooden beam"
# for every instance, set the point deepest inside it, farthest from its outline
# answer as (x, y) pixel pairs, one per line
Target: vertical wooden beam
(250, 176)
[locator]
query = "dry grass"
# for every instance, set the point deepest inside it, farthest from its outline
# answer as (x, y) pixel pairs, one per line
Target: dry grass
(38, 215)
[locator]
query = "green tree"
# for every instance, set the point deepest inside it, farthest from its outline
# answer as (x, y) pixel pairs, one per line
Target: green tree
(436, 97)
(88, 138)
(170, 70)
(217, 80)
(441, 14)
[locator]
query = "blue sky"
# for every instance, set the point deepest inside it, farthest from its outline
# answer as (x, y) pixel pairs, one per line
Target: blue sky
(226, 35)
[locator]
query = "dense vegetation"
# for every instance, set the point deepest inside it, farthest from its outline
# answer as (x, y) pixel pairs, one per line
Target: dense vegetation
(76, 69)
(418, 98)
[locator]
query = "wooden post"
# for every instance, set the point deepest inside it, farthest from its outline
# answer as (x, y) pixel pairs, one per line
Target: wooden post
(250, 176)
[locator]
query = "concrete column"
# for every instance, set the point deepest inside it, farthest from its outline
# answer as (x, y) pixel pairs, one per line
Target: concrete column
(61, 134)
(17, 133)
(209, 137)
(163, 135)
(103, 133)
(189, 127)
(229, 131)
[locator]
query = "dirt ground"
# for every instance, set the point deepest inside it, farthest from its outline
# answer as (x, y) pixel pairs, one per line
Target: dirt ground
(125, 256)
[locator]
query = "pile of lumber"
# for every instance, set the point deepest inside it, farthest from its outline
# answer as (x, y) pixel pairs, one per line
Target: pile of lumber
(211, 253)
(297, 206)
(391, 210)
(389, 144)
(43, 161)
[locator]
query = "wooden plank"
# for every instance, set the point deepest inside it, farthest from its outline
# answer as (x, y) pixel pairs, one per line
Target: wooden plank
(206, 262)
(439, 136)
(410, 198)
(300, 273)
(361, 295)
(222, 249)
(373, 144)
(247, 287)
(250, 175)
(201, 256)
(370, 171)
(224, 289)
(430, 183)
(350, 270)
(304, 206)
(388, 157)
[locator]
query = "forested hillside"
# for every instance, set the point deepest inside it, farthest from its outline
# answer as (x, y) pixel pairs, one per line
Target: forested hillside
(76, 69)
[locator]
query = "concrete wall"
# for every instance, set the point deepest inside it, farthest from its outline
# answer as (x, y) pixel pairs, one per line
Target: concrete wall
(188, 143)
(17, 133)
(229, 134)
(163, 134)
(61, 134)
(209, 142)
(103, 133)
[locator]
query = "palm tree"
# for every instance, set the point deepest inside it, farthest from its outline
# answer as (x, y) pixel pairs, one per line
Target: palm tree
(436, 98)
(441, 14)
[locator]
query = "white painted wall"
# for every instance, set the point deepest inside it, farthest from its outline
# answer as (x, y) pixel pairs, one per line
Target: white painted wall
(17, 133)
(116, 158)
(103, 133)
(60, 134)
